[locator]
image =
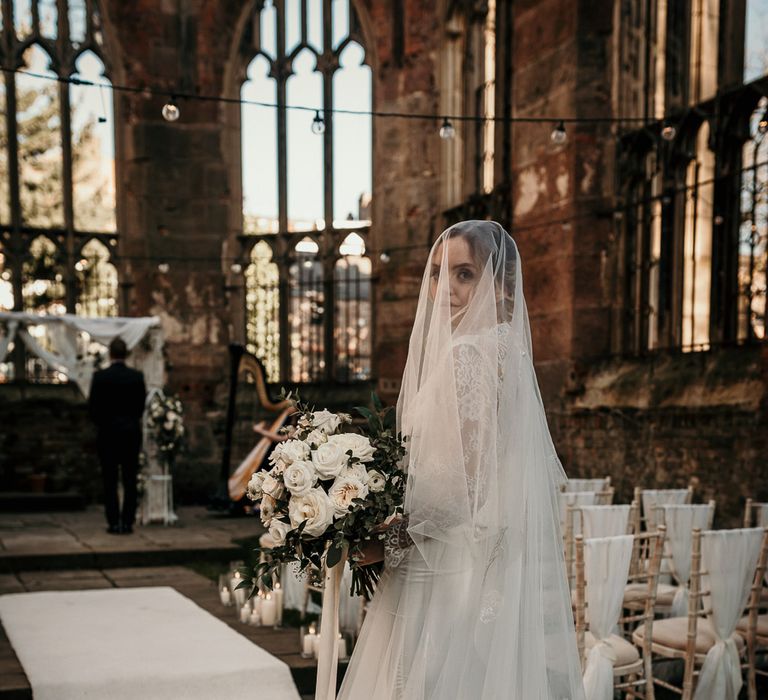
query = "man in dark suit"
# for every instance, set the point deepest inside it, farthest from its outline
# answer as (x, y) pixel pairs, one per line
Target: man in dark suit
(116, 405)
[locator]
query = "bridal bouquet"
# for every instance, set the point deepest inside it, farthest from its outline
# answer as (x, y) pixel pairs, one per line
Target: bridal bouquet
(327, 491)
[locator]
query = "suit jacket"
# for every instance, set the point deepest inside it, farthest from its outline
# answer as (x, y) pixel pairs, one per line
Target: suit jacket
(116, 402)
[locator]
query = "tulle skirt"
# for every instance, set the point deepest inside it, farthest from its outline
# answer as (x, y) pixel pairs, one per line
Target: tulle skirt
(415, 613)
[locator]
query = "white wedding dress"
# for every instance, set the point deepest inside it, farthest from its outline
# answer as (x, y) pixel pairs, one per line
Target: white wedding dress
(474, 600)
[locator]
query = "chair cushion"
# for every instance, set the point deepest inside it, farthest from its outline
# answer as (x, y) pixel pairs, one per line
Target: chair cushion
(673, 633)
(626, 653)
(762, 625)
(635, 592)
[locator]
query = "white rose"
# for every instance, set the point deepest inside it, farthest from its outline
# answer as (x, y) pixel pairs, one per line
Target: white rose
(267, 509)
(354, 471)
(343, 491)
(168, 425)
(326, 421)
(316, 438)
(315, 508)
(300, 477)
(172, 415)
(254, 489)
(289, 451)
(272, 487)
(277, 531)
(375, 481)
(329, 459)
(359, 444)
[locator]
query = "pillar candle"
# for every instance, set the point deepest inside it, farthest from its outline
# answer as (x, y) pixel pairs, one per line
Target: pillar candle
(308, 643)
(225, 596)
(341, 646)
(268, 611)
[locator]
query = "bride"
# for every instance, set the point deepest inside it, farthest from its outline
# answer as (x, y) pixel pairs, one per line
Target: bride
(473, 601)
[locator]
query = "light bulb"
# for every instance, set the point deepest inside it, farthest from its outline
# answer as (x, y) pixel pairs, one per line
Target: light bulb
(719, 220)
(163, 268)
(171, 112)
(308, 264)
(668, 133)
(447, 131)
(558, 134)
(236, 268)
(318, 124)
(384, 257)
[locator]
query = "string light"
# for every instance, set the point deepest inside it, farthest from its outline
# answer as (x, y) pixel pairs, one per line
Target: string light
(558, 135)
(148, 91)
(762, 125)
(171, 112)
(318, 124)
(668, 132)
(385, 257)
(163, 268)
(236, 268)
(447, 131)
(103, 117)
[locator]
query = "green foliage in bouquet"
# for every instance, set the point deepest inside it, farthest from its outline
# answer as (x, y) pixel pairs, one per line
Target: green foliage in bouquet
(358, 477)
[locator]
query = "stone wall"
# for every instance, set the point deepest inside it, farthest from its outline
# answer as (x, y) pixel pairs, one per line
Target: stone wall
(47, 441)
(662, 422)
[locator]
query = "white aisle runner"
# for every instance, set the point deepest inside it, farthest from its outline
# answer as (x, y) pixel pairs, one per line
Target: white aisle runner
(135, 644)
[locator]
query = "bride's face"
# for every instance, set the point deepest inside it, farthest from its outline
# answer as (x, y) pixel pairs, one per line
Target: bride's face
(462, 269)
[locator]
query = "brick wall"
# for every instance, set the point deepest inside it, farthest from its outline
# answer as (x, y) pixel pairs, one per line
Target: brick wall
(660, 422)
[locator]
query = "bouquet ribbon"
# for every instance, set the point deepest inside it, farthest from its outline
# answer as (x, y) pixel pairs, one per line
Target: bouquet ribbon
(328, 654)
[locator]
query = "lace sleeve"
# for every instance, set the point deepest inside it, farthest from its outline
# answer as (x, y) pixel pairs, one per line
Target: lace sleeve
(476, 388)
(397, 542)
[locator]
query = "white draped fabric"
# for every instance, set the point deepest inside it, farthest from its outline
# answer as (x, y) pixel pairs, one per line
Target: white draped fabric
(651, 498)
(606, 567)
(730, 558)
(65, 354)
(586, 484)
(574, 498)
(605, 521)
(680, 521)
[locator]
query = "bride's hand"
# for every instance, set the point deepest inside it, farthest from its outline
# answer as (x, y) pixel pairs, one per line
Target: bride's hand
(369, 552)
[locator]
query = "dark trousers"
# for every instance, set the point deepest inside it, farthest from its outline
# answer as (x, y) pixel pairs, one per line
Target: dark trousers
(119, 456)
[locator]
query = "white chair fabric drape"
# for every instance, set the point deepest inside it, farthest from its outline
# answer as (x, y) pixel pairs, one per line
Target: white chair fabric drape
(729, 559)
(586, 484)
(574, 498)
(680, 521)
(651, 498)
(604, 521)
(606, 568)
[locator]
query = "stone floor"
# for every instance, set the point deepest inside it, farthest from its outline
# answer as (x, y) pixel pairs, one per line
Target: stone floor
(72, 551)
(79, 539)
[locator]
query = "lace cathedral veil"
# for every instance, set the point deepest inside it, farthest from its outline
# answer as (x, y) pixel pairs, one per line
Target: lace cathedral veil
(482, 488)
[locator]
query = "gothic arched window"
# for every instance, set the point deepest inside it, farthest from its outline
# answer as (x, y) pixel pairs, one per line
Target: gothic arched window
(697, 244)
(57, 162)
(306, 182)
(753, 231)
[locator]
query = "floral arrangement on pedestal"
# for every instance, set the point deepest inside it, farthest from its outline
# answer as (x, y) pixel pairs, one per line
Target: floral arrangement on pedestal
(165, 421)
(328, 492)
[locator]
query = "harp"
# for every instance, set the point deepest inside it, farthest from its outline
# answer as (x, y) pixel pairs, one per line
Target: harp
(247, 371)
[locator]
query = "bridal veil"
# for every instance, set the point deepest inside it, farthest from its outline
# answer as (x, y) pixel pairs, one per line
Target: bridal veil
(480, 607)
